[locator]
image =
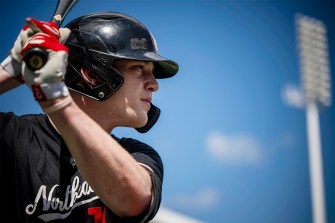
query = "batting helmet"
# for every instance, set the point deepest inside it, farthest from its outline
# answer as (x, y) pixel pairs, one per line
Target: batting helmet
(97, 39)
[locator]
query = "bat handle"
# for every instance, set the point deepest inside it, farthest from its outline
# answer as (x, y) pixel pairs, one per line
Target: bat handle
(36, 58)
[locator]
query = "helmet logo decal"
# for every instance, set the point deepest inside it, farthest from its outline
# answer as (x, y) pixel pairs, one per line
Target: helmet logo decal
(136, 43)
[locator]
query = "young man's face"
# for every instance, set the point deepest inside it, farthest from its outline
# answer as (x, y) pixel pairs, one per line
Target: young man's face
(134, 96)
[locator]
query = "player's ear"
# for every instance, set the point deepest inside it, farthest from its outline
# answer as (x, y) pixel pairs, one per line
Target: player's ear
(89, 76)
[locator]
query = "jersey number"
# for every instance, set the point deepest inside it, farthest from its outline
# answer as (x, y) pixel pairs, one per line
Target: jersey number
(99, 214)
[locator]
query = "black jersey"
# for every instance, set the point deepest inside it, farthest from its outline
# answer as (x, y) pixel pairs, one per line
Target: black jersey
(41, 183)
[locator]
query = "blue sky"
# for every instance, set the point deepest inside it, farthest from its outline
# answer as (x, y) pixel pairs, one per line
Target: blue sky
(232, 133)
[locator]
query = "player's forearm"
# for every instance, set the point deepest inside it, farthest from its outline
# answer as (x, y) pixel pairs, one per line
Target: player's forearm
(121, 183)
(7, 82)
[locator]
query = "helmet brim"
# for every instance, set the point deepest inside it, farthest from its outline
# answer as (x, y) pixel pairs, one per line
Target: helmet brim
(164, 68)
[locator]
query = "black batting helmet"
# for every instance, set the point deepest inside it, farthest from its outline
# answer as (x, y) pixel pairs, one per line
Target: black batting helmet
(97, 39)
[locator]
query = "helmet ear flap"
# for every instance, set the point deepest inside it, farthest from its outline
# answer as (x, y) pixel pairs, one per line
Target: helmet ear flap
(153, 115)
(110, 80)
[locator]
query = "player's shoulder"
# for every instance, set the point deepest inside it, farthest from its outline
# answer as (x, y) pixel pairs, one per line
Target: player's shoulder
(143, 153)
(22, 117)
(5, 117)
(11, 117)
(131, 143)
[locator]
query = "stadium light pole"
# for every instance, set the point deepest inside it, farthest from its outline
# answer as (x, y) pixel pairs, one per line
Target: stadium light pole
(315, 79)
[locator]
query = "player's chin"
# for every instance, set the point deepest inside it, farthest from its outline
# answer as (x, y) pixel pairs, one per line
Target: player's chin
(141, 120)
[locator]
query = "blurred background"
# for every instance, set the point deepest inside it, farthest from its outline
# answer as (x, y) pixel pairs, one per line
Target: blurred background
(233, 131)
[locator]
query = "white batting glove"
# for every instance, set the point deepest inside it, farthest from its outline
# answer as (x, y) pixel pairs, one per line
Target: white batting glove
(48, 82)
(13, 63)
(13, 68)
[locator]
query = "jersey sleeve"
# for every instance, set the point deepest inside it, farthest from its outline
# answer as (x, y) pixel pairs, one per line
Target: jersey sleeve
(150, 159)
(7, 132)
(4, 120)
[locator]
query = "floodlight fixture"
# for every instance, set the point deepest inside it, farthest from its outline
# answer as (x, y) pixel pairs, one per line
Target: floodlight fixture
(314, 59)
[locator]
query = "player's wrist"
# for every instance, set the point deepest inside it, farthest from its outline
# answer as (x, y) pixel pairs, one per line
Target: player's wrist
(57, 104)
(12, 67)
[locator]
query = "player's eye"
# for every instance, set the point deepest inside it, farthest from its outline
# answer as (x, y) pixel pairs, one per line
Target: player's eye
(138, 68)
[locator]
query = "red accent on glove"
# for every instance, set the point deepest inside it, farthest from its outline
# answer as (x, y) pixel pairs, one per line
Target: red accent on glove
(47, 38)
(38, 92)
(25, 27)
(44, 41)
(50, 28)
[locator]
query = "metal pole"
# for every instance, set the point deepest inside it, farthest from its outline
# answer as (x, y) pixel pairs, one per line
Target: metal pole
(315, 163)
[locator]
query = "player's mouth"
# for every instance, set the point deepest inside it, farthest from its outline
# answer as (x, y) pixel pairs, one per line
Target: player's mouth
(147, 101)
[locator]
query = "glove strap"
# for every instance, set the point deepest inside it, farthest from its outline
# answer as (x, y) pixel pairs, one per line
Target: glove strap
(11, 66)
(49, 91)
(58, 105)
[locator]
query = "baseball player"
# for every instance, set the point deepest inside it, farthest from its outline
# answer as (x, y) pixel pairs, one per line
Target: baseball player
(65, 165)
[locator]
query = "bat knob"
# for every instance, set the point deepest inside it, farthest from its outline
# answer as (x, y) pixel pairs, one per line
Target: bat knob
(36, 58)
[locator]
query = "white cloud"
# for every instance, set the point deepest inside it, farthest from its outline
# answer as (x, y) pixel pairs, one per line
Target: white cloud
(238, 149)
(206, 198)
(292, 96)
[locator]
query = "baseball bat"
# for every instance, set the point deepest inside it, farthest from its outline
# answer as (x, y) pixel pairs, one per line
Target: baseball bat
(36, 57)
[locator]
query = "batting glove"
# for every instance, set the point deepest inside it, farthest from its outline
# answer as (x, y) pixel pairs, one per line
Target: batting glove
(13, 63)
(48, 82)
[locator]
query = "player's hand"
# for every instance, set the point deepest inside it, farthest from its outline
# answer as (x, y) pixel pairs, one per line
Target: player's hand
(48, 82)
(13, 63)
